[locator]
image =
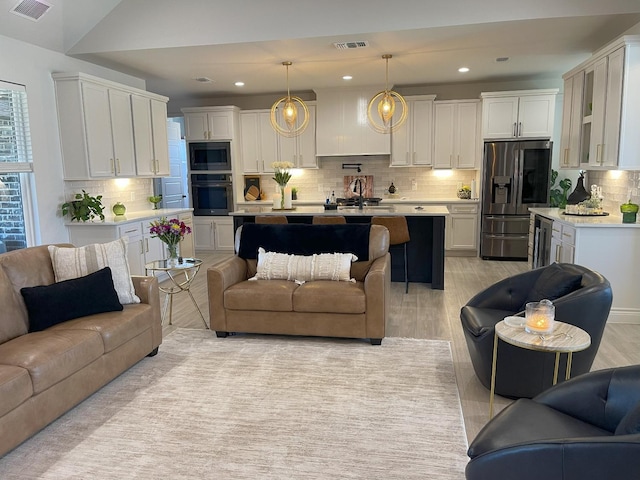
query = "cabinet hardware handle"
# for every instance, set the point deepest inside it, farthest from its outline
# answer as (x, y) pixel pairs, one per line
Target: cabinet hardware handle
(112, 165)
(157, 165)
(118, 164)
(153, 166)
(146, 245)
(458, 160)
(515, 131)
(599, 153)
(558, 247)
(566, 155)
(519, 129)
(413, 159)
(407, 158)
(141, 248)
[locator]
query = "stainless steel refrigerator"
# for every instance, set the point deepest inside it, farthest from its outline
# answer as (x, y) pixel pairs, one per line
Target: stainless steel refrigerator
(517, 176)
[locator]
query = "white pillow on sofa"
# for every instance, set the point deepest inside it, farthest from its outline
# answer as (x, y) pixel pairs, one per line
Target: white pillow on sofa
(300, 269)
(69, 262)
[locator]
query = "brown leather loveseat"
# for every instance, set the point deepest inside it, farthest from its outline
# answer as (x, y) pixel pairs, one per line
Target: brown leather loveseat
(45, 373)
(315, 308)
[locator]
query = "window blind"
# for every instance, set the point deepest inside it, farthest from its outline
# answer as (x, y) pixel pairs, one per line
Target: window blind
(15, 143)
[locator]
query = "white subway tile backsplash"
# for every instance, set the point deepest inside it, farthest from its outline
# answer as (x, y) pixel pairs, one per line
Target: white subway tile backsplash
(618, 186)
(132, 192)
(316, 185)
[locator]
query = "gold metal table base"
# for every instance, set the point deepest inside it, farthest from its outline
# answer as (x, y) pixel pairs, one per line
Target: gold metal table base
(566, 339)
(178, 285)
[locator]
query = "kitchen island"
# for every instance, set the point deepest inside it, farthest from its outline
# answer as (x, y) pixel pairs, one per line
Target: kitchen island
(603, 244)
(425, 251)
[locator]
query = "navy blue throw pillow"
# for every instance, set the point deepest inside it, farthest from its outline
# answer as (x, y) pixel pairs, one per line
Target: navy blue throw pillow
(49, 305)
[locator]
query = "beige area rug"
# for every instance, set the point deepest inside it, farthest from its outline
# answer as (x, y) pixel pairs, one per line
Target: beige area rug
(262, 408)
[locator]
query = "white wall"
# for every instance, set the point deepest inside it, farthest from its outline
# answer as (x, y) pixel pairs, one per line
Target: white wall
(32, 66)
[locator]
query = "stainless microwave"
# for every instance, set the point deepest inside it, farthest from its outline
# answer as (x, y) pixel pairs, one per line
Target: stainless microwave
(210, 156)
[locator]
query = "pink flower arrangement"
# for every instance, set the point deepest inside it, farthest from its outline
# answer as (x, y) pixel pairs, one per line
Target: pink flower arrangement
(169, 231)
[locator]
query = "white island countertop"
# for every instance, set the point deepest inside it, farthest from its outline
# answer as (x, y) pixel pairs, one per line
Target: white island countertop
(382, 210)
(612, 220)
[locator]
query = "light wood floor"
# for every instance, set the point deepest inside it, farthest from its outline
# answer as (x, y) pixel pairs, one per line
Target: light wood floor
(434, 314)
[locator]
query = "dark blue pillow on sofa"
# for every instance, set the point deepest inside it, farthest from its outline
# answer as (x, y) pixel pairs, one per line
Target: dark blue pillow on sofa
(49, 305)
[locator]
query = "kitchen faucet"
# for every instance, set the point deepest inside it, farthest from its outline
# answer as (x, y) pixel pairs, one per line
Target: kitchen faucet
(357, 182)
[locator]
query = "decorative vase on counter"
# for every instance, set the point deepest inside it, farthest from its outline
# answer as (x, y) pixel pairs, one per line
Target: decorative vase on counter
(172, 255)
(579, 194)
(629, 212)
(119, 209)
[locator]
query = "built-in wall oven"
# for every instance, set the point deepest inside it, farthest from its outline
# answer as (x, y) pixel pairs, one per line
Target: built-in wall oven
(211, 193)
(210, 156)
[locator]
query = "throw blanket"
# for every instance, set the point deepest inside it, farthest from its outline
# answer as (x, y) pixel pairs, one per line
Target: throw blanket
(301, 239)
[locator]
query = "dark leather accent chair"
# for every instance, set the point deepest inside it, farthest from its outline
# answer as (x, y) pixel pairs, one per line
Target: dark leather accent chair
(587, 428)
(581, 297)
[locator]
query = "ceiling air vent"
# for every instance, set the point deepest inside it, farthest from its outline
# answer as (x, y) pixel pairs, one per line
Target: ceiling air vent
(350, 45)
(31, 9)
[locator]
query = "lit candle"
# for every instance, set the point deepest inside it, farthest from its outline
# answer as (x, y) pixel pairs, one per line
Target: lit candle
(540, 316)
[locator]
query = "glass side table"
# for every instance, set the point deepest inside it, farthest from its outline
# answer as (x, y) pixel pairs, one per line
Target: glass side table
(181, 276)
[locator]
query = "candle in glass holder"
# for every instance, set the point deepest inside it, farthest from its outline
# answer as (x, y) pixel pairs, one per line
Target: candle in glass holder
(539, 316)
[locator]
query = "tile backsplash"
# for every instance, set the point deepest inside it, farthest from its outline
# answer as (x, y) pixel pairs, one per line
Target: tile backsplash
(316, 185)
(618, 187)
(132, 192)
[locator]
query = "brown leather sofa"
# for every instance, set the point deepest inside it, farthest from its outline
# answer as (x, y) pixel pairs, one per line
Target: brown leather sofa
(315, 308)
(44, 374)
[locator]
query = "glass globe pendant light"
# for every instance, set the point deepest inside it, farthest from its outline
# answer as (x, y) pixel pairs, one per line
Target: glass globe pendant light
(384, 103)
(289, 126)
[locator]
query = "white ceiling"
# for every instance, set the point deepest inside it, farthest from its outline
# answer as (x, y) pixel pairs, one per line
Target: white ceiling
(169, 43)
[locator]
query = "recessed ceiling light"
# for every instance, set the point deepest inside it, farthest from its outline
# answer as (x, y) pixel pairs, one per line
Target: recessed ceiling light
(203, 79)
(502, 59)
(347, 77)
(463, 69)
(239, 84)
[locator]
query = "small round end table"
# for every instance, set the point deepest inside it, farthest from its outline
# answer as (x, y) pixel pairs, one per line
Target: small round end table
(565, 338)
(182, 276)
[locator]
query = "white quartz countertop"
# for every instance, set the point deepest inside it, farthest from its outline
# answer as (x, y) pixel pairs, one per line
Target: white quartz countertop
(384, 201)
(609, 221)
(392, 210)
(142, 215)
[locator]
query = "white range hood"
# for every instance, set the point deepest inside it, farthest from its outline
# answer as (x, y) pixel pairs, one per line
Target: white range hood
(341, 123)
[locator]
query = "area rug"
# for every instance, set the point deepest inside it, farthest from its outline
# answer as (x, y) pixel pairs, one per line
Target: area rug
(262, 408)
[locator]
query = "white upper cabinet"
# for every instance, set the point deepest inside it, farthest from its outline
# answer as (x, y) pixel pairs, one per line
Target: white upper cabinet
(342, 127)
(261, 145)
(151, 142)
(259, 142)
(300, 150)
(607, 106)
(209, 123)
(412, 143)
(96, 126)
(456, 134)
(571, 121)
(518, 114)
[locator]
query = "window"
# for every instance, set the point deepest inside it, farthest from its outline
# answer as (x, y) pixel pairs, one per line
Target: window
(15, 167)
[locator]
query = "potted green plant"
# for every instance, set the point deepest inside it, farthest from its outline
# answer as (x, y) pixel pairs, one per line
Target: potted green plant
(558, 196)
(84, 207)
(294, 193)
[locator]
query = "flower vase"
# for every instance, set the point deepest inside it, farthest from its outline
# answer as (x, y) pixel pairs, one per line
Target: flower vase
(282, 197)
(172, 255)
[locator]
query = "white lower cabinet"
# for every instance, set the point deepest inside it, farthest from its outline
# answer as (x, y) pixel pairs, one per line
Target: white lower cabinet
(462, 227)
(563, 243)
(187, 244)
(213, 233)
(142, 248)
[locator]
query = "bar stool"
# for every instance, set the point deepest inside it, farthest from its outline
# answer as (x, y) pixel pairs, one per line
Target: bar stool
(398, 235)
(328, 220)
(273, 219)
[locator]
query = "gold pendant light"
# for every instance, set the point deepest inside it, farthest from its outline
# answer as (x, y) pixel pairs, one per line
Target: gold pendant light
(289, 126)
(384, 103)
